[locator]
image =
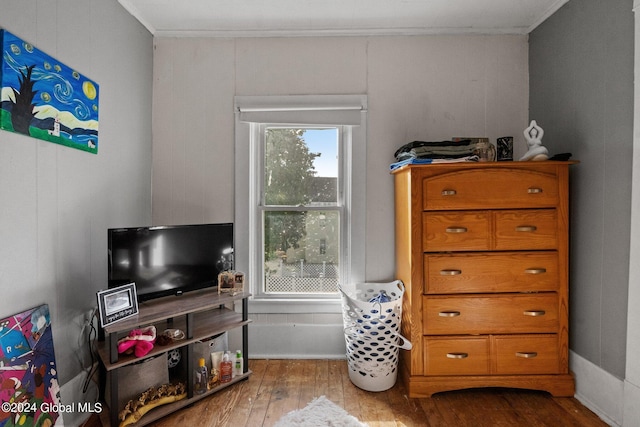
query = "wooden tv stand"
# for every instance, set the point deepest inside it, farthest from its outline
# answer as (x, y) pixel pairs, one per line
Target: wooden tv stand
(201, 315)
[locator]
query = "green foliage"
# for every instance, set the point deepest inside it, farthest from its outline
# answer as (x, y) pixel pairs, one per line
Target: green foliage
(288, 167)
(5, 120)
(289, 171)
(283, 230)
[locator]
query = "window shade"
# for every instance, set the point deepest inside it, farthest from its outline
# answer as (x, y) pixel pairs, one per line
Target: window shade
(302, 110)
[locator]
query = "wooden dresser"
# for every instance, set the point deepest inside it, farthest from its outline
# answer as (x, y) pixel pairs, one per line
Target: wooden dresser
(482, 249)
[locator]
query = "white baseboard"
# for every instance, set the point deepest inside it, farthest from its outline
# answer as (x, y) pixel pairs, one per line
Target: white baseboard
(71, 394)
(598, 390)
(296, 341)
(631, 407)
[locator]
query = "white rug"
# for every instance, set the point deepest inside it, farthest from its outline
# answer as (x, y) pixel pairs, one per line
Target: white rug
(320, 412)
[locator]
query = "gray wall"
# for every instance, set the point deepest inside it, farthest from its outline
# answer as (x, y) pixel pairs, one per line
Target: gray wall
(632, 379)
(581, 93)
(418, 87)
(422, 87)
(56, 203)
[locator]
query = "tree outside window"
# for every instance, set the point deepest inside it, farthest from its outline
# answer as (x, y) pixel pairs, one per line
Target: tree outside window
(301, 214)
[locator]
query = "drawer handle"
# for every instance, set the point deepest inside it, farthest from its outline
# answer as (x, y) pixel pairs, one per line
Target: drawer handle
(450, 272)
(449, 192)
(535, 270)
(457, 355)
(449, 314)
(526, 354)
(526, 228)
(534, 190)
(456, 229)
(534, 313)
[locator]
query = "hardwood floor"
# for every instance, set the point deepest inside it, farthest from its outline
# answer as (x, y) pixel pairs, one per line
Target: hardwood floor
(279, 386)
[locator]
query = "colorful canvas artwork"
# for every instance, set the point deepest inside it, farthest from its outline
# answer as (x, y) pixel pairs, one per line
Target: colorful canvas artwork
(29, 391)
(45, 99)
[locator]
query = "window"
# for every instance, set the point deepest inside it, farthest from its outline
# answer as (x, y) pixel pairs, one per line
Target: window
(300, 175)
(301, 205)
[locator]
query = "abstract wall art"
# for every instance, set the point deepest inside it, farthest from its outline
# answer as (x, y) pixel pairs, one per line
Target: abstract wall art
(29, 390)
(45, 99)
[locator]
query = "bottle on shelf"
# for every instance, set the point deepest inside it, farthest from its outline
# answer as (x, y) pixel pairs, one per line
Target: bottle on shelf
(202, 377)
(238, 366)
(226, 368)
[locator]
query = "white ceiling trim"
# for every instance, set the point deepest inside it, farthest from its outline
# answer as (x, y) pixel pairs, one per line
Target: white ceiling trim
(163, 20)
(135, 12)
(339, 32)
(547, 13)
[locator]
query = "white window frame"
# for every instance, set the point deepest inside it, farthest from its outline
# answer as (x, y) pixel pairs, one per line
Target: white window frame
(251, 113)
(342, 205)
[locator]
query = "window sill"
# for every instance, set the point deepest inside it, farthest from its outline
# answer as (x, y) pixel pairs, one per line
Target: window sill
(284, 305)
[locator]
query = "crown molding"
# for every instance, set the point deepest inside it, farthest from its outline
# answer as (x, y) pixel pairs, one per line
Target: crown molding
(345, 32)
(553, 8)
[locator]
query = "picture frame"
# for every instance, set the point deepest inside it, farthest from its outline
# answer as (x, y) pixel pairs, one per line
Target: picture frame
(231, 281)
(117, 304)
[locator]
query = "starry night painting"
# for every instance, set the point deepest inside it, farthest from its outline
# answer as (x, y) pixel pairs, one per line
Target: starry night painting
(45, 99)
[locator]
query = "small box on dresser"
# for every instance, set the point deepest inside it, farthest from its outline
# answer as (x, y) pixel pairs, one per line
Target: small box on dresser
(483, 251)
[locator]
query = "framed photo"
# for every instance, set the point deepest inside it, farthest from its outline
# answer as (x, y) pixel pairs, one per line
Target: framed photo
(117, 304)
(231, 281)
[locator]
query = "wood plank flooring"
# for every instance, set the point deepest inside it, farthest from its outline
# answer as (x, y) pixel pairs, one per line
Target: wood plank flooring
(279, 386)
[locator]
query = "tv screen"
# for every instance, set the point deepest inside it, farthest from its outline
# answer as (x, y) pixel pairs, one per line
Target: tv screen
(169, 260)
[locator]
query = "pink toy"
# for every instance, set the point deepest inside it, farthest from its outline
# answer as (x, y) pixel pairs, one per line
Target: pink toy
(139, 341)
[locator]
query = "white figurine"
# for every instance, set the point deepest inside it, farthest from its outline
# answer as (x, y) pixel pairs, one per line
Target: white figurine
(533, 134)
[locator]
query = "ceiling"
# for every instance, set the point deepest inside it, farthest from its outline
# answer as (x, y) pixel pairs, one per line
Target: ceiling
(276, 18)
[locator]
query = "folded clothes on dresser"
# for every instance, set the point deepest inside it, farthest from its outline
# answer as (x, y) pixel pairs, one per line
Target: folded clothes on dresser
(427, 152)
(419, 161)
(435, 149)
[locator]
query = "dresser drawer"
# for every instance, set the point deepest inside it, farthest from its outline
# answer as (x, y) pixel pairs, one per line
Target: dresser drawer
(456, 356)
(526, 229)
(490, 188)
(490, 272)
(459, 231)
(527, 354)
(482, 314)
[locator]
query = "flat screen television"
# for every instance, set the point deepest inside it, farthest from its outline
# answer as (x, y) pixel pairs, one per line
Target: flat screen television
(169, 260)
